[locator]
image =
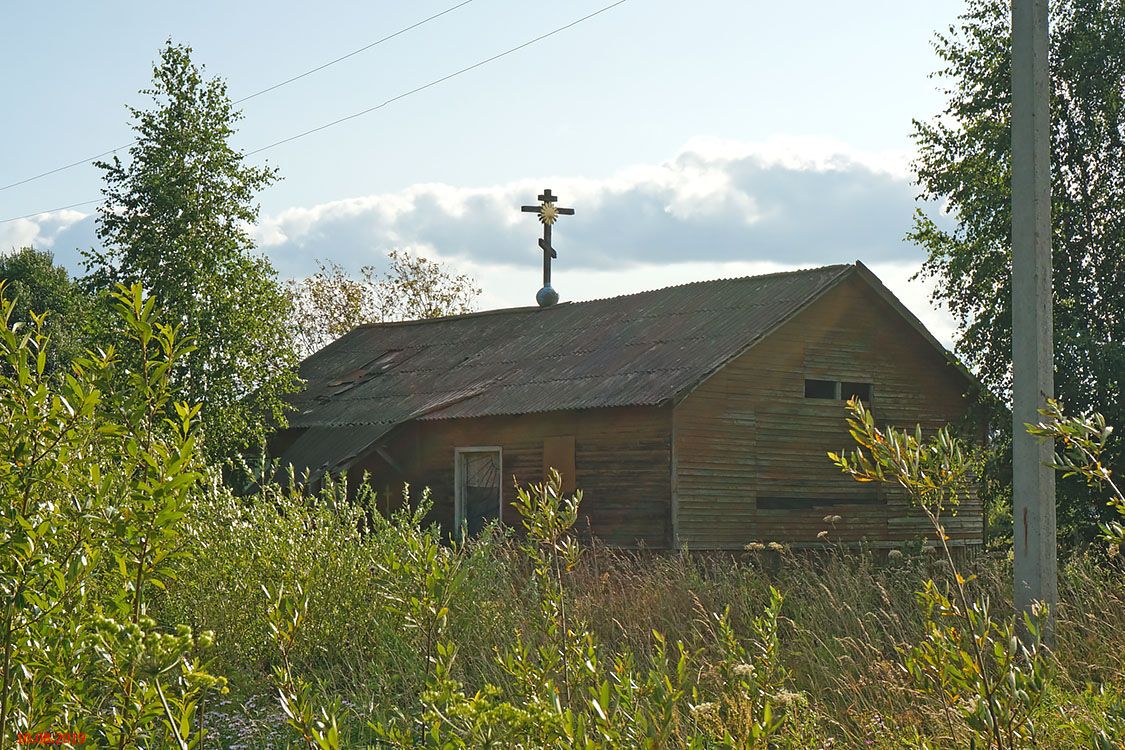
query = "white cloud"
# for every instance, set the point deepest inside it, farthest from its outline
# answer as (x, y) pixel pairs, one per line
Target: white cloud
(65, 233)
(802, 153)
(794, 201)
(716, 209)
(42, 229)
(19, 233)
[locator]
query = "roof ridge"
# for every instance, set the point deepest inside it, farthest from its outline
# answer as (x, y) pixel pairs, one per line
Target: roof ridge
(770, 275)
(474, 314)
(534, 308)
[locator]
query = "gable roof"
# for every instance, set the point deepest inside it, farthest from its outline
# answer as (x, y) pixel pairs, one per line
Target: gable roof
(639, 349)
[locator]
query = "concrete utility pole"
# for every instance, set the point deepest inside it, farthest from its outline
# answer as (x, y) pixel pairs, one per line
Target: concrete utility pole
(1033, 488)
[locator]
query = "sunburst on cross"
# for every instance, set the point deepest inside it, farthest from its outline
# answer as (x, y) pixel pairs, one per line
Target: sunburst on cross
(548, 215)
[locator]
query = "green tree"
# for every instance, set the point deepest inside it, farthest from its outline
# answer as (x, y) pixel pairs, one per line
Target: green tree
(175, 220)
(35, 283)
(331, 302)
(964, 160)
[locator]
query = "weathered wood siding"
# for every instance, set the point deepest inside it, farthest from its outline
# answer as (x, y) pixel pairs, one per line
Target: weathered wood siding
(622, 460)
(749, 448)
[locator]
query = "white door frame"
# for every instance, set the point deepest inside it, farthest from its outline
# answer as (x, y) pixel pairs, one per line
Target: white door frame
(459, 478)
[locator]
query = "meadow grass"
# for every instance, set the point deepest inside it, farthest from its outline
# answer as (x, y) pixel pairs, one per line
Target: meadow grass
(848, 618)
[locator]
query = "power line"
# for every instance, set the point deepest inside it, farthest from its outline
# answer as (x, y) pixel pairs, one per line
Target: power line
(65, 167)
(388, 101)
(286, 82)
(351, 54)
(50, 210)
(437, 81)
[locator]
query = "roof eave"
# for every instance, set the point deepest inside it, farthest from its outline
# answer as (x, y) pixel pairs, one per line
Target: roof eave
(889, 297)
(865, 273)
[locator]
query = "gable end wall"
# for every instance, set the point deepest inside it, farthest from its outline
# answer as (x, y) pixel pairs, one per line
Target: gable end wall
(750, 450)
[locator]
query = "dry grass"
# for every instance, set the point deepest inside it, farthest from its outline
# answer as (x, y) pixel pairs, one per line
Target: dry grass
(848, 615)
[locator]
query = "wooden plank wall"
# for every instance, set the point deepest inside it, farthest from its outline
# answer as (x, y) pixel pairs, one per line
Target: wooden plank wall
(750, 448)
(622, 460)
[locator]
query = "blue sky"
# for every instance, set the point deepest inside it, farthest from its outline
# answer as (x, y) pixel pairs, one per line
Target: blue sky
(695, 140)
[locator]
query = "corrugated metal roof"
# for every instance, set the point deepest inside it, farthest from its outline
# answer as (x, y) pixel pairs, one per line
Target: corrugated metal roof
(320, 449)
(638, 349)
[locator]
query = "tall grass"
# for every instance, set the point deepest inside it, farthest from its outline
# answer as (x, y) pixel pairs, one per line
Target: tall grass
(848, 618)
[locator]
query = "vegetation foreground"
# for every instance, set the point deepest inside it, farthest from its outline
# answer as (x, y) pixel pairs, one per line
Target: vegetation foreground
(404, 642)
(148, 604)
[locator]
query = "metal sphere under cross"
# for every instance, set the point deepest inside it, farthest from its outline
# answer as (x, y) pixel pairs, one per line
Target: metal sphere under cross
(548, 214)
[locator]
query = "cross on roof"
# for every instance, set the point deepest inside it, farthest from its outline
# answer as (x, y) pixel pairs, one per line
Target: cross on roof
(548, 214)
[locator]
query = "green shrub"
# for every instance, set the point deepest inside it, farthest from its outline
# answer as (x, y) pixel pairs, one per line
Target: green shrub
(992, 674)
(94, 481)
(407, 638)
(1082, 441)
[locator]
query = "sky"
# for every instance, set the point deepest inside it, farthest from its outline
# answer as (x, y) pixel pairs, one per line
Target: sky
(695, 140)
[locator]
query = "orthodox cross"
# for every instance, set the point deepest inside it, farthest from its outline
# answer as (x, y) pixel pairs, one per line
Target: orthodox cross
(548, 214)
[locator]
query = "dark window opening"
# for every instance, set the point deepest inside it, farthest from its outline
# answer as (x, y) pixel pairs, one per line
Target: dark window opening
(820, 389)
(862, 391)
(834, 389)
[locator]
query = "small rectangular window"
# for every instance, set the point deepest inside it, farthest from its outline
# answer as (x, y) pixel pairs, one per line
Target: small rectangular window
(820, 389)
(862, 391)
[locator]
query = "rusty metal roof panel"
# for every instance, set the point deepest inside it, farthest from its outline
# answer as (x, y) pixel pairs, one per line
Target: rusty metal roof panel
(638, 349)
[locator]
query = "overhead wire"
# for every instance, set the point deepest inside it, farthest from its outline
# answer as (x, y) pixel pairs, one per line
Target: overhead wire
(51, 210)
(393, 99)
(247, 98)
(435, 82)
(353, 53)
